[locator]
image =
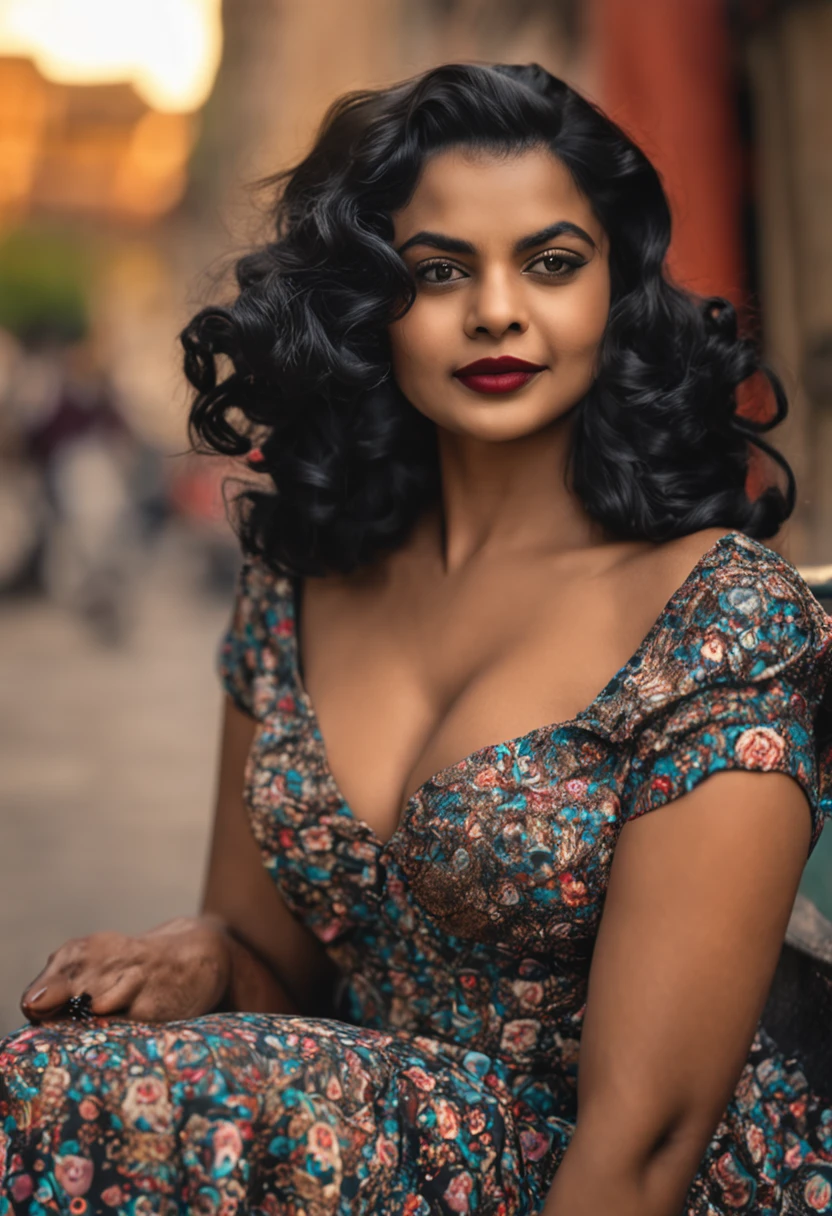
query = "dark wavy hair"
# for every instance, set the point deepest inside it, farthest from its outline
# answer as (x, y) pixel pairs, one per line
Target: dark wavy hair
(659, 447)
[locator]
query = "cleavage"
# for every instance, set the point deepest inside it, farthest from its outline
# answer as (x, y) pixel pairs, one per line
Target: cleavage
(386, 758)
(418, 734)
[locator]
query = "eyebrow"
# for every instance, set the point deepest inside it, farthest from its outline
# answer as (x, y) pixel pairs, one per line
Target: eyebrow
(451, 244)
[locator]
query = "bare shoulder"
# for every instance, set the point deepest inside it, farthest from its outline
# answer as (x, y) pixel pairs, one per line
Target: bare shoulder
(662, 568)
(647, 577)
(674, 559)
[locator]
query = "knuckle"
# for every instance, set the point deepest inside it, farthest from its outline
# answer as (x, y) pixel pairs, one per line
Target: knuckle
(112, 968)
(69, 952)
(72, 969)
(103, 940)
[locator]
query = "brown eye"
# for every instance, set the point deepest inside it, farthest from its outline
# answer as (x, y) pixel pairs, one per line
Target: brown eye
(555, 265)
(438, 272)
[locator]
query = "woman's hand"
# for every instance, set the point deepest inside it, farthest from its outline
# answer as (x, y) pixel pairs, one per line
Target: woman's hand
(179, 970)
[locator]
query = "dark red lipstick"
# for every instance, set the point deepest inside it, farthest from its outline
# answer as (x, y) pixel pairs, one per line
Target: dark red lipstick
(503, 375)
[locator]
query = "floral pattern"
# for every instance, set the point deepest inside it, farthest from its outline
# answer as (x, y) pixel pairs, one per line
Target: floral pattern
(446, 1082)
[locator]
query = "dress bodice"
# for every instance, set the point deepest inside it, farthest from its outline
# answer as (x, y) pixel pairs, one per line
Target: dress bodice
(476, 922)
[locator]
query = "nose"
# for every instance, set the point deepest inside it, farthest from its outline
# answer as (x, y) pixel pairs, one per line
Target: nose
(496, 305)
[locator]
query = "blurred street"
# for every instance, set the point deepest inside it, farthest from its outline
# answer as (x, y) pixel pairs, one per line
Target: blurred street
(107, 758)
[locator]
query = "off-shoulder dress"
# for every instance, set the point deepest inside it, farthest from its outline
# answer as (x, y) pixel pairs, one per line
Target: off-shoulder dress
(446, 1081)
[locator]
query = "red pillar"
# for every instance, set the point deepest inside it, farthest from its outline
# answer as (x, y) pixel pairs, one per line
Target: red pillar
(665, 74)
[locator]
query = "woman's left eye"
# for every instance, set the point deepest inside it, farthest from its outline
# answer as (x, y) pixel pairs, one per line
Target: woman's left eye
(438, 272)
(555, 265)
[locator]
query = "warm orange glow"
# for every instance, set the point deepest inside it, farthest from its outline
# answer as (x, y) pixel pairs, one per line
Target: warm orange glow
(24, 118)
(168, 49)
(151, 175)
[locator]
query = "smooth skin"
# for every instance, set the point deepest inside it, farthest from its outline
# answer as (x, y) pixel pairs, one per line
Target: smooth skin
(508, 607)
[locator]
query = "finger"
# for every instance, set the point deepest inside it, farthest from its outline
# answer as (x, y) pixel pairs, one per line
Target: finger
(108, 995)
(44, 1000)
(119, 993)
(147, 1007)
(56, 982)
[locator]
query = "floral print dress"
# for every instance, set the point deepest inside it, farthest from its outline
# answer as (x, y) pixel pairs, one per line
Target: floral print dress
(447, 1081)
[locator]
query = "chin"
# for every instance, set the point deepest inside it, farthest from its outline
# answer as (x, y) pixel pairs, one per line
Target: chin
(498, 422)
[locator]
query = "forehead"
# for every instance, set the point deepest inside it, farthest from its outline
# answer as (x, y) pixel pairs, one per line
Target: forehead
(474, 193)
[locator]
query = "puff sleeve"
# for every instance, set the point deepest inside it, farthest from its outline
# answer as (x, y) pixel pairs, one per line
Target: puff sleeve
(255, 651)
(741, 681)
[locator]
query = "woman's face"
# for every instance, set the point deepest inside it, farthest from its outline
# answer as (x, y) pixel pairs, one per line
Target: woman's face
(508, 261)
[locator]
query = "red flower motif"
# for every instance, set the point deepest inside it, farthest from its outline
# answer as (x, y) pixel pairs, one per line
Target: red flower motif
(760, 747)
(534, 1144)
(457, 1193)
(486, 778)
(74, 1174)
(447, 1119)
(22, 1187)
(386, 1151)
(735, 1183)
(572, 889)
(420, 1078)
(818, 1193)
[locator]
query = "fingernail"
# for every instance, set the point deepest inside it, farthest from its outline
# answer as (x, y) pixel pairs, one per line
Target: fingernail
(33, 1000)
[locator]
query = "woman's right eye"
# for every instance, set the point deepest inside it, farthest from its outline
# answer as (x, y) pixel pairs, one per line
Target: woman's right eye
(438, 272)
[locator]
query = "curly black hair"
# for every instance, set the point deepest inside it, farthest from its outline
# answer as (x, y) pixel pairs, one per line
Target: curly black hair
(659, 446)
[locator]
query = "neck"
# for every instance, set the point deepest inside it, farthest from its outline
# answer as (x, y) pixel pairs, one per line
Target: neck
(499, 499)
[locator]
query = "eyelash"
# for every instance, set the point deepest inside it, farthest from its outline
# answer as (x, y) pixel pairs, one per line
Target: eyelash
(572, 264)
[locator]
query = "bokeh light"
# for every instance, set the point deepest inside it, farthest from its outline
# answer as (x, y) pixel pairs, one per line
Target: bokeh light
(168, 49)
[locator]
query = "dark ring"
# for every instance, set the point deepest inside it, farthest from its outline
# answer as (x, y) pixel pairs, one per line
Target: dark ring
(79, 1008)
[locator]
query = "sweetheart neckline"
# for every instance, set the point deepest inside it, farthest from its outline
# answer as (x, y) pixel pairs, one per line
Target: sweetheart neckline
(547, 728)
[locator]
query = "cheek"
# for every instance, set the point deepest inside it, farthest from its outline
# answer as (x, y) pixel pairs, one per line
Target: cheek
(575, 323)
(417, 343)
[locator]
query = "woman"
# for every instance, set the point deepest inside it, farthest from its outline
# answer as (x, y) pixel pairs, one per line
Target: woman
(503, 469)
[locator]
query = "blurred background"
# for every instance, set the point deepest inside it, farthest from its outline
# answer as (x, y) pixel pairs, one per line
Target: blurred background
(130, 133)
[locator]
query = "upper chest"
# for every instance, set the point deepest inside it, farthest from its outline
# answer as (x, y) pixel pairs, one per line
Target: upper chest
(410, 678)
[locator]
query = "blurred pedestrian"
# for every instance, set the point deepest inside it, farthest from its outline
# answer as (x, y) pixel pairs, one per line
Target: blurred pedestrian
(84, 450)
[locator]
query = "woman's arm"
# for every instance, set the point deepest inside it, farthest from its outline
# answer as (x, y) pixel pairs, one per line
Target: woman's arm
(277, 965)
(696, 911)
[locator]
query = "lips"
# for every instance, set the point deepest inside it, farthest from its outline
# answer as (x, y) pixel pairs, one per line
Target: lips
(502, 375)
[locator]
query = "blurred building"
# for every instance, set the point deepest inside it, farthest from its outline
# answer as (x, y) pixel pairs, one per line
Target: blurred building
(731, 98)
(787, 55)
(90, 151)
